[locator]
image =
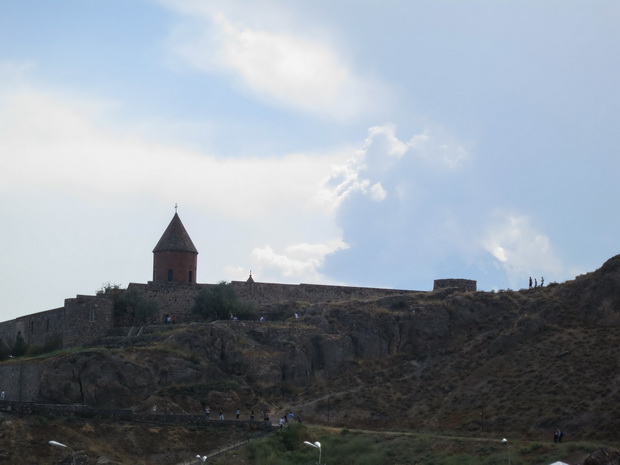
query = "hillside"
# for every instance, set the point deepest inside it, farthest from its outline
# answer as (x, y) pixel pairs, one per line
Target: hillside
(517, 363)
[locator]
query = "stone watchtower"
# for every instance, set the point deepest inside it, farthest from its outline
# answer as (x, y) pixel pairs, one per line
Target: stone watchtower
(175, 256)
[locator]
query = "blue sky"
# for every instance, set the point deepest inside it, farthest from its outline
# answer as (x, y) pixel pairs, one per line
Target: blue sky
(366, 143)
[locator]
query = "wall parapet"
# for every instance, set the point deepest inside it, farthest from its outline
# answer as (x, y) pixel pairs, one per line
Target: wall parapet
(467, 285)
(177, 299)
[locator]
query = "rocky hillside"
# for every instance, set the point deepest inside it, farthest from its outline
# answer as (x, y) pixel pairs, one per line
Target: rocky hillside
(522, 362)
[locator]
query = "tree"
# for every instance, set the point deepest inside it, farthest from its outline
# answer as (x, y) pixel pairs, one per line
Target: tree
(133, 307)
(20, 346)
(5, 351)
(109, 289)
(219, 302)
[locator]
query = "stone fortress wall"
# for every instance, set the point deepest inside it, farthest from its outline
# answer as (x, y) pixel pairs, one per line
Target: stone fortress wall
(81, 320)
(20, 381)
(467, 285)
(37, 328)
(84, 319)
(177, 299)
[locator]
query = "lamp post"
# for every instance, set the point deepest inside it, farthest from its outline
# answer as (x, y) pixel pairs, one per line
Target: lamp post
(201, 459)
(58, 444)
(505, 441)
(316, 445)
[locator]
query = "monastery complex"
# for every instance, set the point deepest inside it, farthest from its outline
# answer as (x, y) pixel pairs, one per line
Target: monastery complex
(84, 319)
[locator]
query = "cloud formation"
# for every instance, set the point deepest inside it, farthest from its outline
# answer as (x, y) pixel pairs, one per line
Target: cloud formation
(282, 66)
(520, 250)
(322, 207)
(418, 201)
(300, 262)
(386, 166)
(53, 142)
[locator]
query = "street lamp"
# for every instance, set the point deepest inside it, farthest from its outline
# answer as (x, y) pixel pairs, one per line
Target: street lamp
(316, 445)
(201, 459)
(58, 444)
(505, 441)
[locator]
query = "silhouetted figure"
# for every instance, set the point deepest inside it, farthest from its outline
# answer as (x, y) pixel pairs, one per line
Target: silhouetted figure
(535, 282)
(542, 281)
(530, 282)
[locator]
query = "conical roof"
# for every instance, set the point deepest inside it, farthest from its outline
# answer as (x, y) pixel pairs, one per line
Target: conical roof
(175, 238)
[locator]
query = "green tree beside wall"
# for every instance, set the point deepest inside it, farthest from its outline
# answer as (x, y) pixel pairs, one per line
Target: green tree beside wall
(220, 302)
(132, 307)
(20, 346)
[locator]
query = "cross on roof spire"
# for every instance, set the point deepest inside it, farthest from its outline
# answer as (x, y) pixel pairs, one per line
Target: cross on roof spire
(175, 207)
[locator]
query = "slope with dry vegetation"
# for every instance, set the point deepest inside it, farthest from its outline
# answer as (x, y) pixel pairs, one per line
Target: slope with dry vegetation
(514, 362)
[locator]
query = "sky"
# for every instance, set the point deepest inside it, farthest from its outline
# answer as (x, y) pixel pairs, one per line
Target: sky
(375, 143)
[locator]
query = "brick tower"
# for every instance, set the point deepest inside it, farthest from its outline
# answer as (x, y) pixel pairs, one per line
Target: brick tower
(175, 256)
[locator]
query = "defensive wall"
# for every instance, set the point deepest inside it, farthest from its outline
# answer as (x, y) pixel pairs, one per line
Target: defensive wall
(20, 381)
(81, 320)
(270, 293)
(37, 328)
(177, 299)
(84, 319)
(467, 285)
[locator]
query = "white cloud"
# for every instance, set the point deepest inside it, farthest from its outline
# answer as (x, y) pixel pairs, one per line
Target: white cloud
(50, 142)
(280, 64)
(500, 253)
(385, 163)
(298, 261)
(520, 249)
(377, 192)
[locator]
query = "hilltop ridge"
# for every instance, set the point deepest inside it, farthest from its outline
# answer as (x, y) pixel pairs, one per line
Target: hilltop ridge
(524, 362)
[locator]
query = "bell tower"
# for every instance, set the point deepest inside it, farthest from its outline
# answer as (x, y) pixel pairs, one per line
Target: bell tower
(175, 256)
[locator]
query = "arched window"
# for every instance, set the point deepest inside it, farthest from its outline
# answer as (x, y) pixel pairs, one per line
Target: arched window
(190, 276)
(169, 275)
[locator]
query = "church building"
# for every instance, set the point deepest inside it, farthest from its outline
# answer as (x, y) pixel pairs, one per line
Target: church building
(175, 256)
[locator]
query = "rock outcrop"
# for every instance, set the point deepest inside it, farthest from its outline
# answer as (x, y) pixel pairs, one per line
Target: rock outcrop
(527, 360)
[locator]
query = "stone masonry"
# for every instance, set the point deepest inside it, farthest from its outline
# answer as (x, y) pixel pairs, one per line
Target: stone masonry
(467, 285)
